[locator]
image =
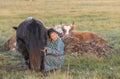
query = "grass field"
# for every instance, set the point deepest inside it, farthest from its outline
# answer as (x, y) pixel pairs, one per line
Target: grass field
(99, 16)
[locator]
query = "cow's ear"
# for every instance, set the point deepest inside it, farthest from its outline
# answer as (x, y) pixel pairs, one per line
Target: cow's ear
(14, 27)
(60, 22)
(73, 25)
(53, 25)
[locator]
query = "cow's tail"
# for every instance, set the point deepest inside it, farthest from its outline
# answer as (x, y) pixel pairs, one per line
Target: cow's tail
(34, 46)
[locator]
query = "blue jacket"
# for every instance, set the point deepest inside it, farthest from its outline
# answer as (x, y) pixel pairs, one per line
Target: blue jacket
(55, 55)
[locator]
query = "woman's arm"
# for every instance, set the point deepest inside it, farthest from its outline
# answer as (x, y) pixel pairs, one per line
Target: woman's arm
(59, 49)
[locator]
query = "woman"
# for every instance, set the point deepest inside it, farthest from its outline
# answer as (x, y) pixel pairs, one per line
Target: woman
(55, 52)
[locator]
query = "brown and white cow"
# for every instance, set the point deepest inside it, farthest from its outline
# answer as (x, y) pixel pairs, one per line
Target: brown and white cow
(10, 43)
(83, 36)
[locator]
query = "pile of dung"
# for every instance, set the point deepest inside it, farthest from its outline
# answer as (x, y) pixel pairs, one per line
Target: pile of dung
(74, 45)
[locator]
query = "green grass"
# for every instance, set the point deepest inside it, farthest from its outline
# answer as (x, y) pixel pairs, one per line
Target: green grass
(99, 16)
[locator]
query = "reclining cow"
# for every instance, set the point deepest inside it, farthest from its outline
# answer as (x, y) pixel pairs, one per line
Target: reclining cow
(10, 43)
(83, 36)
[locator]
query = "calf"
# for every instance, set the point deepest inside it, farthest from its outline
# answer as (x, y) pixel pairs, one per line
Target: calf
(83, 36)
(10, 44)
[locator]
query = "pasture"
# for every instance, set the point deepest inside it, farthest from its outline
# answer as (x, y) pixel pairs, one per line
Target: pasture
(99, 16)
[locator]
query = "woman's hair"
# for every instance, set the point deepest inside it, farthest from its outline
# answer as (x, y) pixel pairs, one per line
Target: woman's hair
(51, 30)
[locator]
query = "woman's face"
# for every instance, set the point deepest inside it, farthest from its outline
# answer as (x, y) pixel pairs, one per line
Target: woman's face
(53, 36)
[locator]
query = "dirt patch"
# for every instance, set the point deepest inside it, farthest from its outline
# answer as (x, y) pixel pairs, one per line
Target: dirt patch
(74, 45)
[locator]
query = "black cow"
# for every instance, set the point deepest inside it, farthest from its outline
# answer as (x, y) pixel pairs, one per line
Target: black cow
(31, 37)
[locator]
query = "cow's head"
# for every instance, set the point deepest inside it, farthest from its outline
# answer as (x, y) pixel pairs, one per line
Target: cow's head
(68, 28)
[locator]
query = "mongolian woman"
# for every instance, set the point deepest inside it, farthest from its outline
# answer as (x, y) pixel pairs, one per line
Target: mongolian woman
(54, 58)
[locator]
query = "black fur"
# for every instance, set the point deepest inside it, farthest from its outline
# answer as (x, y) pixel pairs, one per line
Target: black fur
(31, 40)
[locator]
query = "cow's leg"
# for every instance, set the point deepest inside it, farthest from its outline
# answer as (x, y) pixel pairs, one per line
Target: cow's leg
(26, 58)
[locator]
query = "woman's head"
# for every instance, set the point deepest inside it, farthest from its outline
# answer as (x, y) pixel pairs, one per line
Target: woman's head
(52, 34)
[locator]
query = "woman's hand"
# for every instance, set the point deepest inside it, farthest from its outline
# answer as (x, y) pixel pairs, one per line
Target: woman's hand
(45, 48)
